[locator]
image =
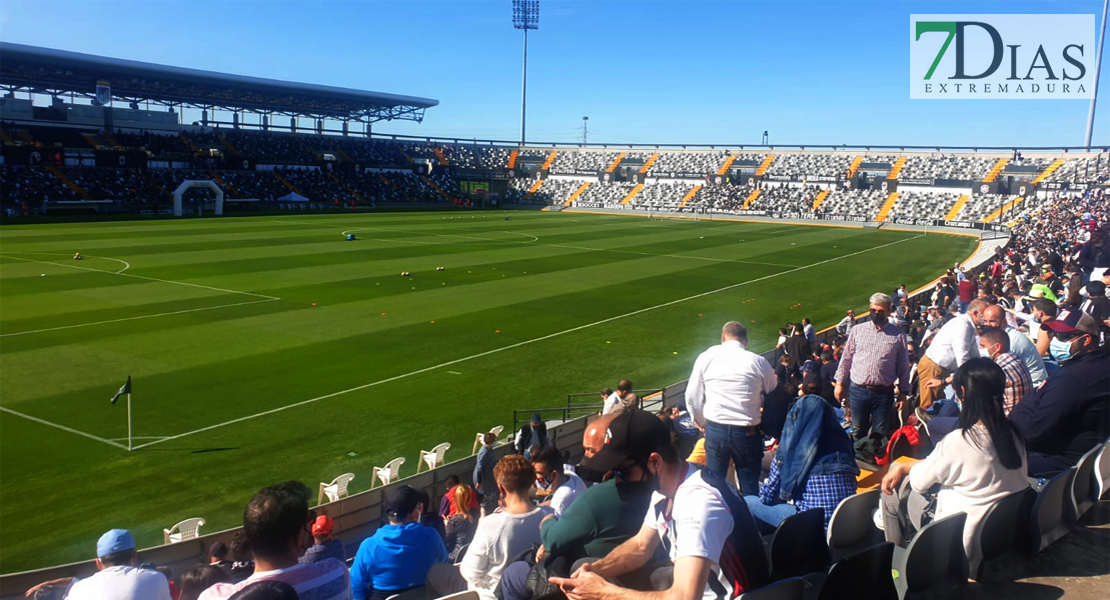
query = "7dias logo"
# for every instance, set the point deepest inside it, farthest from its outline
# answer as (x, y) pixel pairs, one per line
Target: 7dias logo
(988, 57)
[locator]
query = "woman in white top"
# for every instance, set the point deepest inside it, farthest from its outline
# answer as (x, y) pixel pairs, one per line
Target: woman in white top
(969, 470)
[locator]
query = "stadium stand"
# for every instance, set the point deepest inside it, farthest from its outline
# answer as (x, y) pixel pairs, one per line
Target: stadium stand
(584, 162)
(799, 166)
(969, 168)
(699, 163)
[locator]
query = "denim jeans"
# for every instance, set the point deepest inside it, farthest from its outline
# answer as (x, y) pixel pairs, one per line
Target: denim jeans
(769, 517)
(744, 445)
(870, 411)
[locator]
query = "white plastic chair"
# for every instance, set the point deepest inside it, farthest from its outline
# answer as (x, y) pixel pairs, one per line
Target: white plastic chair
(336, 489)
(478, 438)
(387, 473)
(185, 530)
(434, 457)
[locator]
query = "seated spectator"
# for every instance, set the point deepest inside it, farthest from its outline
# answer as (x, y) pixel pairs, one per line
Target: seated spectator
(276, 527)
(325, 546)
(267, 590)
(501, 537)
(201, 578)
(697, 516)
(532, 434)
(117, 576)
(1070, 413)
(217, 556)
(397, 557)
(829, 365)
(560, 479)
(974, 468)
(460, 526)
(447, 502)
(814, 467)
(994, 316)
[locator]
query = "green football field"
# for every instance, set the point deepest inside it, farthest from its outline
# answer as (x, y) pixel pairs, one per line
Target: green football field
(270, 348)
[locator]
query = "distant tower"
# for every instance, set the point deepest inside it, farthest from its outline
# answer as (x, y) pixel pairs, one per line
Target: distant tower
(584, 131)
(766, 137)
(526, 15)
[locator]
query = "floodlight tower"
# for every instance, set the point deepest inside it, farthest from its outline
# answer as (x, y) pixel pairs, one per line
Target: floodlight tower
(526, 15)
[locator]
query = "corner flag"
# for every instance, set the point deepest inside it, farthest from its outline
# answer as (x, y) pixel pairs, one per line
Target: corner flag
(125, 389)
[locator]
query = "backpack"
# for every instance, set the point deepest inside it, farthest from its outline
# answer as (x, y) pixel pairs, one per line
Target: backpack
(907, 441)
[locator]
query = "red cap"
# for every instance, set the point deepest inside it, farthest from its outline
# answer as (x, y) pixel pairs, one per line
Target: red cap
(322, 525)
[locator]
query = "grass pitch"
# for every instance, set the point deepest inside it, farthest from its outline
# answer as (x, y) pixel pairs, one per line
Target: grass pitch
(270, 348)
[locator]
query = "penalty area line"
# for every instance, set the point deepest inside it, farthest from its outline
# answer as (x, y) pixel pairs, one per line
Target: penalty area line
(121, 320)
(62, 427)
(514, 346)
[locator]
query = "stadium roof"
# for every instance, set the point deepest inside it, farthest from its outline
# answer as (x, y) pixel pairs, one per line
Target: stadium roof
(56, 72)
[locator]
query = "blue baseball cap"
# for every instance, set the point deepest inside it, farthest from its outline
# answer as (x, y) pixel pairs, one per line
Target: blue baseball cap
(116, 540)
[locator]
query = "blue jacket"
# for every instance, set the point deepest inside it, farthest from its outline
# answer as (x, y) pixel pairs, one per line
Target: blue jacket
(396, 557)
(813, 443)
(483, 471)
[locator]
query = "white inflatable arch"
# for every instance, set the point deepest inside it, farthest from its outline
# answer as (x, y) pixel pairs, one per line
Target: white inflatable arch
(191, 183)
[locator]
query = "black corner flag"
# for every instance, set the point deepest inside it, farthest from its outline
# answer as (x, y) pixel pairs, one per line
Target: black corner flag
(125, 389)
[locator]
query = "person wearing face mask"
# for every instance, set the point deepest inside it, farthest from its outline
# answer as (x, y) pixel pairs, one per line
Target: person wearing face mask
(875, 360)
(952, 346)
(994, 317)
(1070, 413)
(560, 479)
(710, 536)
(994, 343)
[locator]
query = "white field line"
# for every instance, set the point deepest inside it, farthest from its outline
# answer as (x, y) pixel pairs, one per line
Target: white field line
(62, 427)
(513, 346)
(140, 437)
(165, 314)
(122, 274)
(126, 265)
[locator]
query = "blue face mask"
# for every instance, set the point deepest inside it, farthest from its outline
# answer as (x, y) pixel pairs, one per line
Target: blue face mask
(1060, 351)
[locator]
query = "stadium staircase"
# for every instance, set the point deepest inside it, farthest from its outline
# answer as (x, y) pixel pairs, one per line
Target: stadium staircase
(188, 142)
(650, 161)
(854, 167)
(144, 174)
(440, 157)
(616, 163)
(957, 207)
(636, 190)
(288, 185)
(76, 189)
(689, 196)
(227, 144)
(1056, 164)
(820, 199)
(897, 168)
(112, 142)
(512, 159)
(436, 188)
(361, 199)
(532, 190)
(891, 200)
(95, 143)
(388, 182)
(728, 163)
(765, 165)
(752, 197)
(1005, 207)
(550, 159)
(996, 169)
(578, 192)
(343, 156)
(26, 137)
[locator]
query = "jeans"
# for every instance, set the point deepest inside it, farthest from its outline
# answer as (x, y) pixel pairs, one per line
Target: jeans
(870, 411)
(769, 517)
(744, 445)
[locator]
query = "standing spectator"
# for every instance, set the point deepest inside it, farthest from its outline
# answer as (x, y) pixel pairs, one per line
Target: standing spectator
(532, 434)
(116, 575)
(797, 349)
(725, 397)
(829, 366)
(846, 323)
(810, 331)
(325, 546)
(500, 538)
(968, 290)
(564, 483)
(397, 557)
(483, 475)
(276, 527)
(952, 346)
(875, 359)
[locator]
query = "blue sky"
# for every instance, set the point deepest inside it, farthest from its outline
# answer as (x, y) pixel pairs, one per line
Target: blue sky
(644, 72)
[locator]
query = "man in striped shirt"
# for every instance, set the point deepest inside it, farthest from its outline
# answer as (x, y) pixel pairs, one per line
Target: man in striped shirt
(995, 343)
(875, 359)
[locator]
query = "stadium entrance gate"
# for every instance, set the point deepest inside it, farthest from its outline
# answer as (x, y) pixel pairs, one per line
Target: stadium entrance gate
(192, 183)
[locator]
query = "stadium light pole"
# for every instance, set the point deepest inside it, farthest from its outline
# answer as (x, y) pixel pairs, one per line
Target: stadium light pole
(526, 15)
(584, 131)
(1098, 67)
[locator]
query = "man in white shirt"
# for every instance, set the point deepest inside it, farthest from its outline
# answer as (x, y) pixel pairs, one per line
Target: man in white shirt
(117, 577)
(952, 346)
(725, 398)
(552, 474)
(708, 532)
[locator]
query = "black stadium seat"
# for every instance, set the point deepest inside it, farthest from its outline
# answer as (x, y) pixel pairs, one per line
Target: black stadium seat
(1004, 528)
(851, 527)
(798, 546)
(1053, 513)
(935, 564)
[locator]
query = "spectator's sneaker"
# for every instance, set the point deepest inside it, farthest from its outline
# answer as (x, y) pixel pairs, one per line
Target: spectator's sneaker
(922, 415)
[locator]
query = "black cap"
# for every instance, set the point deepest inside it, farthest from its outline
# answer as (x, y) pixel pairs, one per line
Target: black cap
(633, 435)
(403, 500)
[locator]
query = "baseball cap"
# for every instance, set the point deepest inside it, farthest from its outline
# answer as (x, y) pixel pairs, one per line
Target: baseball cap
(633, 435)
(322, 525)
(402, 501)
(536, 418)
(115, 540)
(1071, 320)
